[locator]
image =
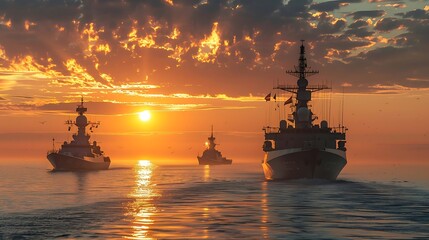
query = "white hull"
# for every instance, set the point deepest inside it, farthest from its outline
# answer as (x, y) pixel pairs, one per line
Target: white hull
(298, 163)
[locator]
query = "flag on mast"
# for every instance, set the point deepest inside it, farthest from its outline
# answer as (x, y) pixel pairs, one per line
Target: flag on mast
(268, 97)
(288, 101)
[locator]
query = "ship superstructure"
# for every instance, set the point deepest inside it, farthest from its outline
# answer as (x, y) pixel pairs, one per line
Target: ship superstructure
(299, 147)
(79, 154)
(211, 156)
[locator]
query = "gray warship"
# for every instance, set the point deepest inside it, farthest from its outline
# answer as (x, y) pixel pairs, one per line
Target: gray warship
(211, 156)
(79, 154)
(300, 148)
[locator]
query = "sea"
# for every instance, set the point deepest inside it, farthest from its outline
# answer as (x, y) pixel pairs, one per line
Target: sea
(148, 201)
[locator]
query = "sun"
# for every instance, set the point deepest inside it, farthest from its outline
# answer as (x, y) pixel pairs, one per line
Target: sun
(144, 116)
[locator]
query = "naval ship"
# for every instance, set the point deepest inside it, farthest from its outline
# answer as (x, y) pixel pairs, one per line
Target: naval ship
(79, 154)
(299, 147)
(211, 156)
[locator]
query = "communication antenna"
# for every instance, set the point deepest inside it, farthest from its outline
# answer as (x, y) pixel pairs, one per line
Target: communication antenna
(342, 111)
(330, 104)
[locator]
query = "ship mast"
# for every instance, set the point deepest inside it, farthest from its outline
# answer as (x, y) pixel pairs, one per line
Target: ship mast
(81, 122)
(211, 139)
(80, 108)
(302, 117)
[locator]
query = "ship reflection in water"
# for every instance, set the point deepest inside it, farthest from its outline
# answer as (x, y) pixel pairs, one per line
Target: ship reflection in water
(142, 209)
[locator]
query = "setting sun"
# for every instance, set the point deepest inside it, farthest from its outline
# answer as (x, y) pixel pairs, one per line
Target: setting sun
(144, 116)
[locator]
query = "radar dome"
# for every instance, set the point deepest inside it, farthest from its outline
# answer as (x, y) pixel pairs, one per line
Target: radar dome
(81, 120)
(303, 114)
(302, 82)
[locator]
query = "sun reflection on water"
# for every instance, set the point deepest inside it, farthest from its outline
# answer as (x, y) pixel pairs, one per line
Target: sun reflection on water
(143, 209)
(264, 212)
(206, 173)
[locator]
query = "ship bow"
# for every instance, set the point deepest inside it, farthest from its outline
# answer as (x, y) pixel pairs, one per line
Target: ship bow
(298, 163)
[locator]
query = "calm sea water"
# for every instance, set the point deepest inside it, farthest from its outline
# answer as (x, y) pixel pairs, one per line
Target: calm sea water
(218, 202)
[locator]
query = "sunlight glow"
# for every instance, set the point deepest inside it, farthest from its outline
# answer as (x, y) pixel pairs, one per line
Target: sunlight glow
(144, 163)
(143, 209)
(144, 116)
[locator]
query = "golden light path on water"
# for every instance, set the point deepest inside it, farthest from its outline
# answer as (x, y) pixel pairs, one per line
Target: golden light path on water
(265, 210)
(206, 173)
(206, 209)
(143, 209)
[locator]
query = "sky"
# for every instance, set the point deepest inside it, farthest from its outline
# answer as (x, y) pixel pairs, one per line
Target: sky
(194, 63)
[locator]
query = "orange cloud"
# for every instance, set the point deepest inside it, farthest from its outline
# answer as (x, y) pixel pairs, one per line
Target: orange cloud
(209, 46)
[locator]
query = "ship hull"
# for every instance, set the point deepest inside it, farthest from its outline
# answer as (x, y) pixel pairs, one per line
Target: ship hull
(214, 162)
(69, 163)
(300, 163)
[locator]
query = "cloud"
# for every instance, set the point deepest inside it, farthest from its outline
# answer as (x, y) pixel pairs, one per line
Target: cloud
(396, 5)
(358, 24)
(131, 51)
(388, 24)
(416, 14)
(330, 6)
(359, 32)
(368, 13)
(379, 1)
(328, 24)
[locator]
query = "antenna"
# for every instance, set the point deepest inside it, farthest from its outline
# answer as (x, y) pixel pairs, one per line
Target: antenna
(53, 144)
(342, 111)
(302, 71)
(330, 105)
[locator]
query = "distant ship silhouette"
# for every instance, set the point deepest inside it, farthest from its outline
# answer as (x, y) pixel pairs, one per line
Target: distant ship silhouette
(211, 156)
(79, 154)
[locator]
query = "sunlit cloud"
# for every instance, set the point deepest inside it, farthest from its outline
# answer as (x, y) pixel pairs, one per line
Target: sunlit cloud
(395, 88)
(418, 79)
(394, 5)
(5, 22)
(28, 25)
(216, 53)
(209, 46)
(80, 76)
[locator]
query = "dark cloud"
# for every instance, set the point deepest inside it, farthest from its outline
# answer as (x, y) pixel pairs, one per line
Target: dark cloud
(388, 24)
(360, 29)
(24, 97)
(330, 6)
(385, 66)
(17, 107)
(416, 14)
(358, 24)
(327, 24)
(368, 13)
(359, 32)
(341, 43)
(40, 11)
